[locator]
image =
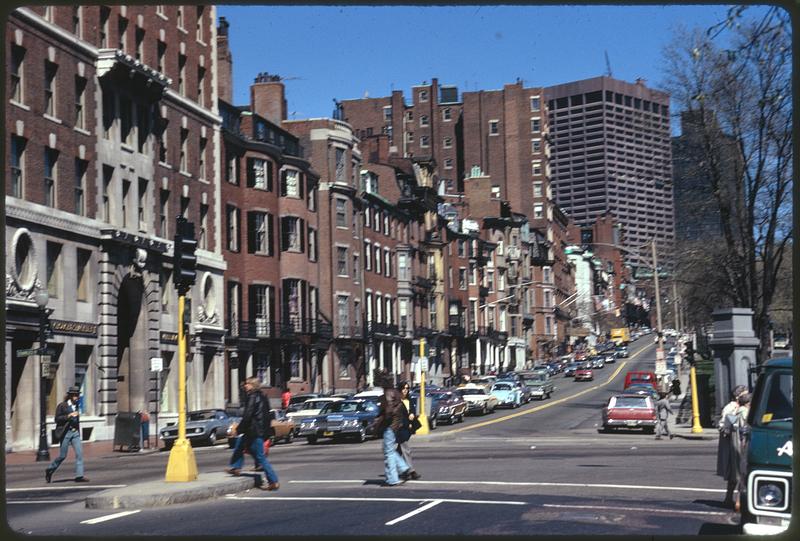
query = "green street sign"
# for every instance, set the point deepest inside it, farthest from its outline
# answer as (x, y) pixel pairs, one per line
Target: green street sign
(35, 351)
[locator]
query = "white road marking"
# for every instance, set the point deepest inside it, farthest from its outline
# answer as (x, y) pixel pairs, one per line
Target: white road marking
(337, 499)
(109, 517)
(76, 487)
(523, 484)
(37, 501)
(422, 509)
(644, 509)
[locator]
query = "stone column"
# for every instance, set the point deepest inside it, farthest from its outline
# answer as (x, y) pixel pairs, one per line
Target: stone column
(734, 349)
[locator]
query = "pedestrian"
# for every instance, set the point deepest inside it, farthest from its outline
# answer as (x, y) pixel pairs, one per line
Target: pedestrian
(663, 411)
(388, 423)
(742, 434)
(727, 459)
(286, 397)
(675, 388)
(144, 417)
(254, 427)
(68, 432)
(410, 425)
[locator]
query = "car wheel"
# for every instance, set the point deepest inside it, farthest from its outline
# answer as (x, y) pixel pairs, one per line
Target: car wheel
(212, 438)
(168, 444)
(290, 437)
(485, 410)
(361, 437)
(434, 423)
(311, 440)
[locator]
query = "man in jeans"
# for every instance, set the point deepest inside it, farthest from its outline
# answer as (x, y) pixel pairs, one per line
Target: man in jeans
(663, 410)
(254, 427)
(388, 423)
(68, 419)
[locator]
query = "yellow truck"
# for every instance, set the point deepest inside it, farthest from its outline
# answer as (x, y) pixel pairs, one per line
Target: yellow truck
(621, 336)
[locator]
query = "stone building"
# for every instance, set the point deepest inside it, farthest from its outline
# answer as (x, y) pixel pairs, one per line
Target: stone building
(113, 133)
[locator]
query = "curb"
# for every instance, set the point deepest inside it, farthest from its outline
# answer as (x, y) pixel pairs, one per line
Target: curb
(159, 493)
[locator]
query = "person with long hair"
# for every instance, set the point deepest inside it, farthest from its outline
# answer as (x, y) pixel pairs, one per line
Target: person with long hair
(410, 425)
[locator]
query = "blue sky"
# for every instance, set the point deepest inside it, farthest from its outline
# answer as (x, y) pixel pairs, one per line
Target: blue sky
(347, 52)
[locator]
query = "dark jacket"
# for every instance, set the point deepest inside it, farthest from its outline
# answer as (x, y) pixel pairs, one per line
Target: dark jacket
(391, 411)
(256, 418)
(663, 408)
(62, 416)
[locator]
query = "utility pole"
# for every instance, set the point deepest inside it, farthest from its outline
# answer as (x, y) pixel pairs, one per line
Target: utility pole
(660, 346)
(675, 305)
(423, 368)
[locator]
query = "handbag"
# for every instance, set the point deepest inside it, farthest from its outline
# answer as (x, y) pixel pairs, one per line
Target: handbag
(415, 425)
(58, 433)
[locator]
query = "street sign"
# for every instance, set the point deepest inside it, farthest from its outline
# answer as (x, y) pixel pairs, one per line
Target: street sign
(156, 364)
(45, 367)
(423, 364)
(661, 365)
(35, 351)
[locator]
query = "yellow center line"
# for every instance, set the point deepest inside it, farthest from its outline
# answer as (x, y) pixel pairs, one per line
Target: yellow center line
(553, 403)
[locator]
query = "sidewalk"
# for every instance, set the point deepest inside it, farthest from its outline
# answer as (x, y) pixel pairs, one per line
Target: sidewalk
(91, 449)
(680, 423)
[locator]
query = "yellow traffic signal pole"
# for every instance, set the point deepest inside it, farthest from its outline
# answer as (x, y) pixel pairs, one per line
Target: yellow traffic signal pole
(182, 466)
(696, 428)
(423, 418)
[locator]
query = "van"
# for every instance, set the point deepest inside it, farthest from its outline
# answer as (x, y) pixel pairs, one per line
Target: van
(639, 376)
(766, 500)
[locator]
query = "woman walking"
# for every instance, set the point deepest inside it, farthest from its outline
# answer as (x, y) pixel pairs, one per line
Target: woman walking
(728, 446)
(410, 426)
(388, 423)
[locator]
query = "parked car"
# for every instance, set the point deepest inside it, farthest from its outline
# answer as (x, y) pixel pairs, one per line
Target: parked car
(449, 407)
(540, 384)
(205, 426)
(310, 408)
(597, 361)
(298, 399)
(584, 372)
(477, 399)
(640, 376)
(284, 427)
(622, 351)
(519, 382)
(341, 419)
(432, 398)
(629, 411)
(485, 381)
(569, 371)
(373, 395)
(508, 393)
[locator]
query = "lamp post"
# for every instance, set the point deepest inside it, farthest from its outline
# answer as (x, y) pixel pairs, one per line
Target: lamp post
(42, 297)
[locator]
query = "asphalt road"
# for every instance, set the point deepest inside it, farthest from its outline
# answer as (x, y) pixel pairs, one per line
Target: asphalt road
(541, 469)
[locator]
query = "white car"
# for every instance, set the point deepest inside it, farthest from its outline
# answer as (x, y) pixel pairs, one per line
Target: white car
(310, 408)
(477, 398)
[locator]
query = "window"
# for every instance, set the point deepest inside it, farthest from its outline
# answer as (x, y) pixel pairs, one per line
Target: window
(340, 166)
(77, 16)
(379, 308)
(536, 103)
(262, 302)
(233, 215)
(490, 281)
(473, 274)
(410, 137)
(203, 235)
(448, 163)
(311, 199)
(80, 102)
(164, 213)
(82, 290)
(387, 262)
(423, 141)
(80, 184)
(341, 212)
(409, 116)
(201, 166)
(312, 244)
(536, 168)
(122, 29)
(17, 74)
(259, 173)
(548, 299)
(423, 95)
(537, 189)
(462, 278)
(182, 74)
(161, 51)
(501, 280)
(538, 211)
(185, 201)
(108, 176)
(139, 36)
(367, 255)
(17, 166)
(341, 261)
(179, 17)
(50, 176)
(536, 145)
(446, 114)
(386, 225)
(343, 314)
(259, 233)
(184, 160)
(546, 275)
(493, 127)
(105, 14)
(376, 221)
(201, 85)
(199, 31)
(378, 259)
(423, 120)
(447, 142)
(292, 234)
(160, 10)
(536, 125)
(356, 268)
(54, 269)
(126, 190)
(388, 314)
(50, 71)
(432, 310)
(387, 112)
(291, 185)
(548, 325)
(125, 119)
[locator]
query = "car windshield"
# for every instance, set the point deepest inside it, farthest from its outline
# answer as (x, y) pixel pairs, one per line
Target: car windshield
(340, 407)
(299, 399)
(465, 392)
(201, 415)
(628, 402)
(315, 404)
(776, 401)
(502, 387)
(535, 379)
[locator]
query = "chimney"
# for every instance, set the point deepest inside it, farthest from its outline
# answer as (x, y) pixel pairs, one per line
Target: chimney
(224, 62)
(267, 98)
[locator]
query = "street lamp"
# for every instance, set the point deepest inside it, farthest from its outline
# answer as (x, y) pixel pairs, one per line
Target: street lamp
(42, 297)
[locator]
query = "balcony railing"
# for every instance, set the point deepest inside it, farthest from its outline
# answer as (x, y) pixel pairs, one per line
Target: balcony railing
(349, 331)
(373, 327)
(421, 281)
(261, 328)
(457, 331)
(420, 332)
(252, 329)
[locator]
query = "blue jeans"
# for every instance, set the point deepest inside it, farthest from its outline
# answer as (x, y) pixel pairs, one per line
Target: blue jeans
(256, 447)
(72, 437)
(393, 462)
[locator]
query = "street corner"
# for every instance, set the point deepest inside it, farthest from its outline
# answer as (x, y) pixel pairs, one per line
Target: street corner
(160, 493)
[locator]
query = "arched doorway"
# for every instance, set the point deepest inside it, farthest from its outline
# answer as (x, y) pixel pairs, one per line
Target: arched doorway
(131, 345)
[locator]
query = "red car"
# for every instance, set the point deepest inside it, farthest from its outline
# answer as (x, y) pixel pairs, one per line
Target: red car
(584, 373)
(629, 411)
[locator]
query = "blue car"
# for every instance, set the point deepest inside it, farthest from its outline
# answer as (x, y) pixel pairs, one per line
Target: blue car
(339, 420)
(507, 394)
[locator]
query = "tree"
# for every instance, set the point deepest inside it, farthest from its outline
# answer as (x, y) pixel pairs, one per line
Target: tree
(744, 91)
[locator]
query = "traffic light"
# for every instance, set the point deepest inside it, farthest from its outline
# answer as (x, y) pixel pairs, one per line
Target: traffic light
(184, 258)
(689, 352)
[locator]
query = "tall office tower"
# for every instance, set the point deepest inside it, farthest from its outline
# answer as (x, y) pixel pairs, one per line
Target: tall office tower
(610, 142)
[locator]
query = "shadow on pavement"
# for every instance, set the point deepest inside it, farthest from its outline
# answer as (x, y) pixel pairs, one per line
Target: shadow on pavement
(713, 503)
(709, 528)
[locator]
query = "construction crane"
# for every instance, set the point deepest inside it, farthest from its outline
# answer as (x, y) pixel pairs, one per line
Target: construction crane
(608, 65)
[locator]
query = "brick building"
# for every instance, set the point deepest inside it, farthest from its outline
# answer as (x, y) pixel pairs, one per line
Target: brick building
(113, 133)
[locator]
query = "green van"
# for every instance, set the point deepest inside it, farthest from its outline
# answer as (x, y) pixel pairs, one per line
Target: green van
(765, 504)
